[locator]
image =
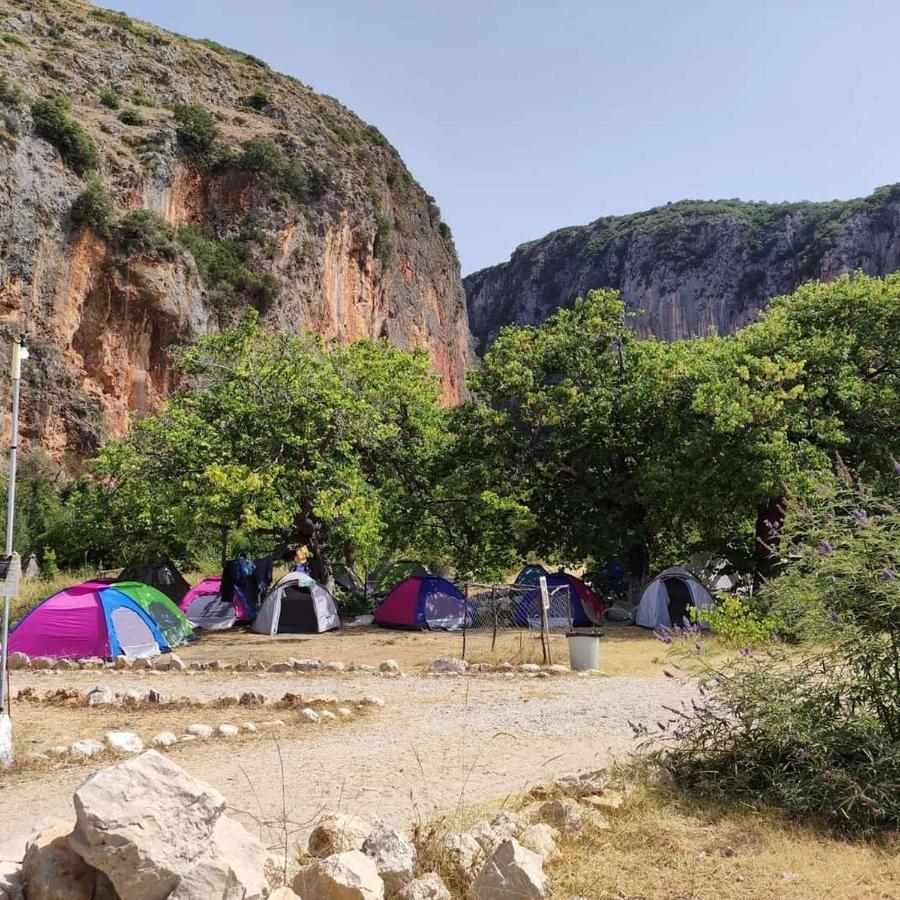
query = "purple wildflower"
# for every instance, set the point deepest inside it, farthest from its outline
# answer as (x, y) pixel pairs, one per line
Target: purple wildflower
(746, 652)
(825, 548)
(887, 575)
(860, 515)
(833, 616)
(801, 753)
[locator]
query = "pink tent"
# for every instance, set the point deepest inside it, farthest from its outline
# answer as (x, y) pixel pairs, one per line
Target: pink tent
(205, 608)
(90, 619)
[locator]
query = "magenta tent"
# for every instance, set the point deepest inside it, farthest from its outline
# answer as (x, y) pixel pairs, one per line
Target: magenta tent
(205, 607)
(424, 601)
(90, 619)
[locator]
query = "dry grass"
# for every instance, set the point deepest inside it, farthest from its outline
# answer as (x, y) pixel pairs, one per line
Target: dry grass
(623, 651)
(668, 849)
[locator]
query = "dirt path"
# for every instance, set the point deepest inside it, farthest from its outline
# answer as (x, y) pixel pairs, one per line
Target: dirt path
(437, 743)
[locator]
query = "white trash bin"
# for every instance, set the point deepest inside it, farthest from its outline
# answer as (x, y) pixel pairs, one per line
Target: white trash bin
(584, 651)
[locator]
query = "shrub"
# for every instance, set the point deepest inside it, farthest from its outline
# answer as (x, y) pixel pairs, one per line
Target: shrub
(53, 122)
(94, 207)
(11, 93)
(259, 99)
(819, 734)
(262, 155)
(196, 129)
(141, 98)
(223, 267)
(142, 231)
(383, 246)
(15, 40)
(131, 116)
(735, 622)
(109, 98)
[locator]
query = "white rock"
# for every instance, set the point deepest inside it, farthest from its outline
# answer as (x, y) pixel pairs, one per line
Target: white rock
(390, 666)
(92, 662)
(337, 833)
(142, 664)
(88, 748)
(462, 854)
(344, 712)
(283, 893)
(426, 887)
(133, 698)
(164, 739)
(123, 742)
(448, 664)
(282, 667)
(564, 814)
(394, 856)
(512, 873)
(308, 665)
(581, 784)
(362, 667)
(327, 716)
(336, 666)
(18, 661)
(101, 696)
(42, 662)
(248, 726)
(226, 730)
(122, 662)
(199, 730)
(540, 839)
(10, 880)
(157, 832)
(309, 714)
(343, 876)
(53, 871)
(490, 835)
(58, 751)
(371, 701)
(504, 667)
(271, 724)
(559, 670)
(529, 667)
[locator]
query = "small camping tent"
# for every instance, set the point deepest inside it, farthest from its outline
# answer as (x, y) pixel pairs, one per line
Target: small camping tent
(205, 607)
(668, 598)
(297, 605)
(159, 572)
(585, 607)
(170, 620)
(531, 574)
(423, 601)
(90, 619)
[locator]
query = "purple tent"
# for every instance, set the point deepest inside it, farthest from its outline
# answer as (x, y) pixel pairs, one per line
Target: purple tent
(90, 619)
(424, 601)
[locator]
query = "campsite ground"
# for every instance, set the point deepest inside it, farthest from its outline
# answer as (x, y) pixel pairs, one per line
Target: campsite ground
(440, 746)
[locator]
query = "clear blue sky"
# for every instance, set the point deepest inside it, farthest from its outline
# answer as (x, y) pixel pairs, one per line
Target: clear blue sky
(522, 117)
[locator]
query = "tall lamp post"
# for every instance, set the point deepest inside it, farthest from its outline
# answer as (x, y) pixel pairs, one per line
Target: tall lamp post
(10, 564)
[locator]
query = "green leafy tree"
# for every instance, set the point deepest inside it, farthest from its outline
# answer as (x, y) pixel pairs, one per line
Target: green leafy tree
(282, 437)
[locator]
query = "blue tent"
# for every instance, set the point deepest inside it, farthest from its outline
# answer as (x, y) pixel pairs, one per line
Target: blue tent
(423, 601)
(584, 606)
(531, 574)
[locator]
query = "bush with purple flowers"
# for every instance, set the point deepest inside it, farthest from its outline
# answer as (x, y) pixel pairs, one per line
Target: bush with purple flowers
(815, 732)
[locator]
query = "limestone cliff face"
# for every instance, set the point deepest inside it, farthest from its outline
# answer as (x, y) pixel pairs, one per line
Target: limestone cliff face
(689, 268)
(363, 253)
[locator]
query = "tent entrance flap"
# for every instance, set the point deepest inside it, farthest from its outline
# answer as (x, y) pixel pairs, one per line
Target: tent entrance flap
(134, 635)
(298, 612)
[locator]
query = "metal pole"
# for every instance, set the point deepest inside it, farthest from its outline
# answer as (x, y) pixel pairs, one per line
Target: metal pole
(19, 352)
(465, 620)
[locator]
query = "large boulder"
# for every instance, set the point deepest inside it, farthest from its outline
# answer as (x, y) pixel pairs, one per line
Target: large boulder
(581, 784)
(18, 660)
(512, 873)
(10, 880)
(343, 876)
(427, 887)
(394, 856)
(338, 833)
(53, 871)
(157, 832)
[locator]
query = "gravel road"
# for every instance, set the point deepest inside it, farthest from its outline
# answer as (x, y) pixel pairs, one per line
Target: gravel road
(437, 743)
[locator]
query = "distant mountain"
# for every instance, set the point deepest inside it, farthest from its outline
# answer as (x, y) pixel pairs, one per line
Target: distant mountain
(690, 267)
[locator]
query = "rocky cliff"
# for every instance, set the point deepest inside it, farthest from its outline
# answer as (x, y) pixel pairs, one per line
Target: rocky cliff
(691, 267)
(154, 186)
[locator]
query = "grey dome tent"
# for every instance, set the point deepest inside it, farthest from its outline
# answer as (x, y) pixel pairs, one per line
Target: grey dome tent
(667, 599)
(297, 605)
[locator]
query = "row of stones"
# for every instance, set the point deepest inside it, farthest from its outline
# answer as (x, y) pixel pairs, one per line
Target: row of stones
(172, 662)
(129, 743)
(450, 665)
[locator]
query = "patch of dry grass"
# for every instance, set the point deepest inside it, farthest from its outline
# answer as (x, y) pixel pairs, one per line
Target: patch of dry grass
(670, 849)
